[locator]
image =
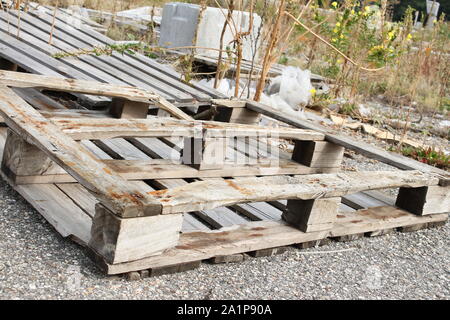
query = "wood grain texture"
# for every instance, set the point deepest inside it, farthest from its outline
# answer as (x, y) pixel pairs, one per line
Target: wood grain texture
(424, 200)
(92, 128)
(116, 193)
(26, 80)
(121, 240)
(312, 215)
(216, 193)
(365, 149)
(199, 246)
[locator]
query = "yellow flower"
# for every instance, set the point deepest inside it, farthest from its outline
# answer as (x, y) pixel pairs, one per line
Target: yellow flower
(391, 35)
(334, 4)
(313, 91)
(341, 36)
(340, 61)
(409, 36)
(338, 24)
(333, 40)
(335, 30)
(352, 12)
(367, 9)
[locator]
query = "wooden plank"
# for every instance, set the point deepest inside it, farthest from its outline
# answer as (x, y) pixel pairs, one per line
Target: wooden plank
(219, 217)
(312, 215)
(65, 41)
(25, 80)
(362, 201)
(32, 38)
(204, 154)
(198, 246)
(217, 193)
(262, 235)
(112, 190)
(35, 61)
(365, 149)
(59, 210)
(122, 240)
(229, 103)
(151, 68)
(39, 100)
(127, 150)
(424, 200)
(237, 115)
(80, 196)
(259, 211)
(379, 218)
(160, 71)
(318, 154)
(73, 114)
(90, 129)
(121, 108)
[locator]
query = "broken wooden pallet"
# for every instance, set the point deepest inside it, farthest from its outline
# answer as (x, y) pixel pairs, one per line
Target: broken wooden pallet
(25, 43)
(135, 225)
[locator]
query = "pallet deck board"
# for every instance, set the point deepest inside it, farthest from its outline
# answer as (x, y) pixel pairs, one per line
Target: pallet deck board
(117, 68)
(229, 216)
(197, 246)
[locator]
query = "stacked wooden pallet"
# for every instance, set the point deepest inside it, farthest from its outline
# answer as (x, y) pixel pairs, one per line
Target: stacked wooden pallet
(125, 185)
(30, 40)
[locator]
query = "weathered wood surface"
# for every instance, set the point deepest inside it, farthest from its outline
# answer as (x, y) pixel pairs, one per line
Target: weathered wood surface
(379, 218)
(111, 189)
(229, 103)
(217, 193)
(121, 108)
(197, 246)
(317, 154)
(26, 80)
(171, 169)
(424, 200)
(237, 115)
(312, 215)
(70, 34)
(121, 240)
(91, 129)
(365, 149)
(62, 213)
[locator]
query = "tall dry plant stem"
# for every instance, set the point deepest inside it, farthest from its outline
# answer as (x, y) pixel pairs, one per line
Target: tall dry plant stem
(239, 39)
(228, 18)
(268, 56)
(50, 40)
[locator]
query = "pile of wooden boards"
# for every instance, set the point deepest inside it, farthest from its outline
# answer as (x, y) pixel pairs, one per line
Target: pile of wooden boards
(125, 184)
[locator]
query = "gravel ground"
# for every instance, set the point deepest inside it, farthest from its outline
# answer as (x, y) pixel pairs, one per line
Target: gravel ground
(36, 263)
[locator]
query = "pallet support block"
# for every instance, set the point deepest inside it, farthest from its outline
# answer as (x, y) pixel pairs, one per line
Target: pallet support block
(318, 154)
(425, 200)
(21, 158)
(312, 215)
(120, 240)
(237, 115)
(204, 153)
(125, 109)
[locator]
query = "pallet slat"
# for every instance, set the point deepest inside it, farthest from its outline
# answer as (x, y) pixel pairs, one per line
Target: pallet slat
(115, 192)
(217, 193)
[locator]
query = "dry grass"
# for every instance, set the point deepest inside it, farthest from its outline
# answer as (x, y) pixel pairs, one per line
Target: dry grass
(415, 68)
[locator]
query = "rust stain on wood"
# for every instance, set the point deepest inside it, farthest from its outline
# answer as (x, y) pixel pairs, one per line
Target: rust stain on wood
(241, 190)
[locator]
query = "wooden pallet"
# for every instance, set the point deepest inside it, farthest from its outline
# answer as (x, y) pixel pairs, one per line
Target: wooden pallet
(125, 188)
(24, 44)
